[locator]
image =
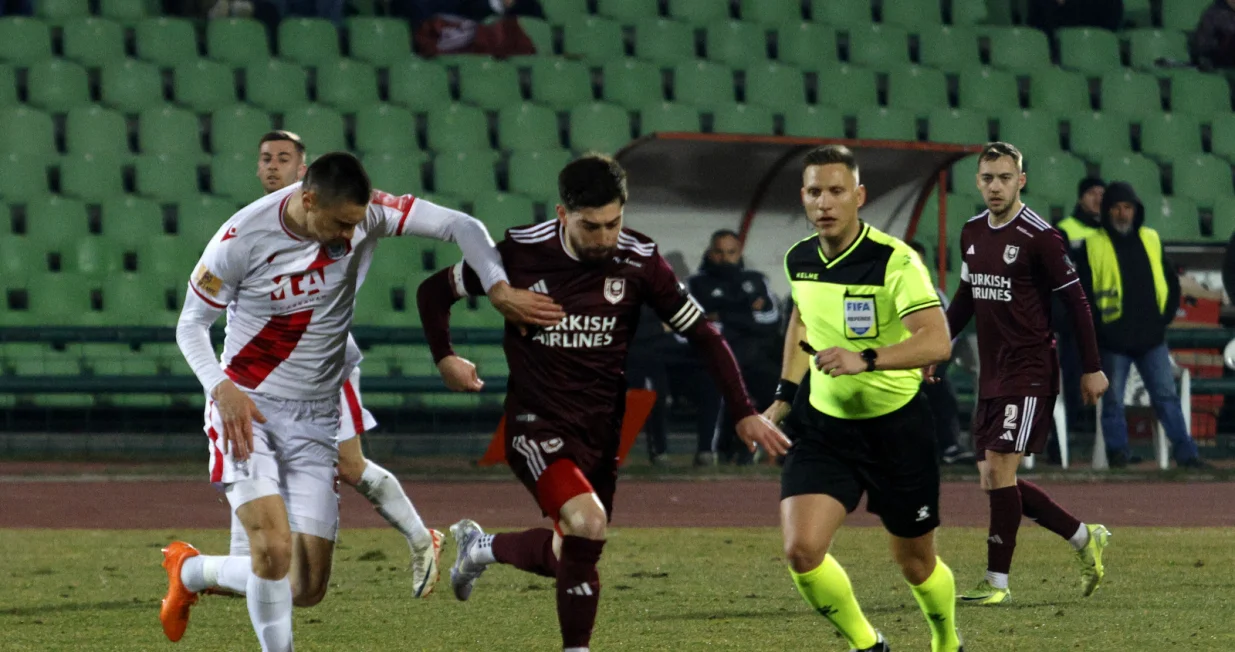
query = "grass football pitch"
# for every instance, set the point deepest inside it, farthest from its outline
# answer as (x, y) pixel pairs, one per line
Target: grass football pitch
(681, 589)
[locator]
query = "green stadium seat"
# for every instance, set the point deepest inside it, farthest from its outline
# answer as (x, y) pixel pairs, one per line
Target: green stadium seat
(540, 32)
(501, 211)
(379, 41)
(320, 127)
(131, 85)
(947, 47)
(92, 258)
(24, 41)
(887, 124)
(464, 316)
(527, 126)
(397, 173)
(963, 176)
(849, 87)
(912, 14)
(308, 41)
(1138, 13)
(1169, 136)
(772, 12)
(703, 84)
(669, 117)
(62, 299)
(595, 40)
(468, 173)
(347, 85)
(1058, 91)
(958, 126)
(986, 89)
(57, 85)
(1183, 14)
(128, 222)
(559, 11)
(29, 132)
(775, 86)
(631, 83)
(490, 85)
(805, 121)
(664, 42)
(1131, 93)
(232, 176)
(1200, 94)
(90, 177)
(237, 129)
(1051, 179)
(599, 127)
(855, 13)
(56, 224)
(419, 85)
(699, 12)
(1088, 50)
(737, 43)
(199, 217)
(1142, 173)
(168, 259)
(534, 174)
(920, 89)
(17, 261)
(126, 12)
(167, 42)
(204, 85)
(22, 177)
(170, 130)
(628, 11)
(560, 84)
(806, 45)
(1222, 137)
(1223, 218)
(1202, 178)
(880, 46)
(1149, 45)
(385, 128)
(1019, 49)
(1176, 219)
(1034, 133)
(93, 41)
(237, 41)
(8, 85)
(276, 86)
(165, 177)
(458, 127)
(1094, 136)
(59, 12)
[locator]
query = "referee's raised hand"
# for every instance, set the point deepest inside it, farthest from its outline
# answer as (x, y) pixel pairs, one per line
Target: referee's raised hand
(758, 432)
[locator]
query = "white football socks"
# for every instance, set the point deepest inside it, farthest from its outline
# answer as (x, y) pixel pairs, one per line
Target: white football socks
(208, 571)
(482, 551)
(997, 580)
(384, 491)
(270, 610)
(1081, 538)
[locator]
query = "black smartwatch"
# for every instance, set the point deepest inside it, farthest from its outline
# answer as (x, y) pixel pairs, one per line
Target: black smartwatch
(869, 355)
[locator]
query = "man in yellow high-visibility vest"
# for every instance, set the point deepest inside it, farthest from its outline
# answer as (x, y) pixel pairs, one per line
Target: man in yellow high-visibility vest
(1135, 294)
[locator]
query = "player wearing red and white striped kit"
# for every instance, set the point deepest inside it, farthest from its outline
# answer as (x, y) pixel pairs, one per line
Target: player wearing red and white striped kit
(286, 269)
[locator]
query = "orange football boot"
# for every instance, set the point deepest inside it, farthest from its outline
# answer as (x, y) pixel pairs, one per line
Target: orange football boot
(175, 611)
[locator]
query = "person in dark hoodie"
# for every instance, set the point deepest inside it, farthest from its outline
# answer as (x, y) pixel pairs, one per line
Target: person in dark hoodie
(1135, 293)
(741, 304)
(1086, 217)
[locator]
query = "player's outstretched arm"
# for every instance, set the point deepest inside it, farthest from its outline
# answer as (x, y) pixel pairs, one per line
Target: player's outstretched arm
(434, 298)
(795, 362)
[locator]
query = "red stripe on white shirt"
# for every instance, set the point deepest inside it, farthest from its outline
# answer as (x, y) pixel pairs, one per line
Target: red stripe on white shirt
(270, 347)
(353, 406)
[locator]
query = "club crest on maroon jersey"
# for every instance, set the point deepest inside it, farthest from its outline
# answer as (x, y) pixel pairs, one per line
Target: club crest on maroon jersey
(615, 289)
(1009, 253)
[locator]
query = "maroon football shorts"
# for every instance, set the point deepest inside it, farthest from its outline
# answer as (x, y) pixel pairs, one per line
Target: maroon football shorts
(541, 452)
(1012, 424)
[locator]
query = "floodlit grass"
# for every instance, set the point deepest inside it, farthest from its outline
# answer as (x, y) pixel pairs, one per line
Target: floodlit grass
(701, 589)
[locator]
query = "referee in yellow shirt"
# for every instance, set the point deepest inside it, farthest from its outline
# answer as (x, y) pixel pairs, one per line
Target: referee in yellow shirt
(865, 303)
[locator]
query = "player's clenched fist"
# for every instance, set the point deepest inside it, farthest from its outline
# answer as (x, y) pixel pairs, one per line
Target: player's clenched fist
(839, 362)
(459, 374)
(758, 432)
(1093, 386)
(238, 413)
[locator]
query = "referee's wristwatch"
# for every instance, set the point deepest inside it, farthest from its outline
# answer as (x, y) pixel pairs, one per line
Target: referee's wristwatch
(869, 355)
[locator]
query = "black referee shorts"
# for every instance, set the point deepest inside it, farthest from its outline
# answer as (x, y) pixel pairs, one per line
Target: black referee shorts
(891, 458)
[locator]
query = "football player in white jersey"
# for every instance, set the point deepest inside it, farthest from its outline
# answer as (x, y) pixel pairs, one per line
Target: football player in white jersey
(285, 269)
(281, 162)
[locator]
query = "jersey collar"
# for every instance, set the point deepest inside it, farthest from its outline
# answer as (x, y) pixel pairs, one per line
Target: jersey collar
(1024, 207)
(848, 250)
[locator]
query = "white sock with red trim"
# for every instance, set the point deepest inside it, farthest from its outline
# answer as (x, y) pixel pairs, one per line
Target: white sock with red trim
(382, 489)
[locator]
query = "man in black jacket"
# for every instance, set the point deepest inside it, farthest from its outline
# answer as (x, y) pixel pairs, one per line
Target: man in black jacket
(741, 304)
(1135, 293)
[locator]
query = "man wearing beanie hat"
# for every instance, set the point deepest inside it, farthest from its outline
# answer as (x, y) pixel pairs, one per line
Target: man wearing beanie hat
(1086, 218)
(1135, 294)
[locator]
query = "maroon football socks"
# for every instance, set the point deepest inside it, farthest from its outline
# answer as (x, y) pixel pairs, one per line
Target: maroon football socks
(1038, 506)
(578, 590)
(529, 550)
(1005, 521)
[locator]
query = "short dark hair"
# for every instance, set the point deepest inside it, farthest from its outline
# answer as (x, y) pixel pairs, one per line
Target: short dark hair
(281, 135)
(999, 149)
(591, 181)
(338, 176)
(723, 233)
(918, 247)
(829, 154)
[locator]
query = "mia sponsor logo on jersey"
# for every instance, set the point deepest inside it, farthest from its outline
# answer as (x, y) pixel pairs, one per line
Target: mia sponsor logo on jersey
(579, 332)
(860, 321)
(991, 287)
(307, 284)
(1009, 253)
(615, 289)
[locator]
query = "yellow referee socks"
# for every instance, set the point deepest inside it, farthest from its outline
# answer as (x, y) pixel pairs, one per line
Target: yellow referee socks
(937, 598)
(827, 590)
